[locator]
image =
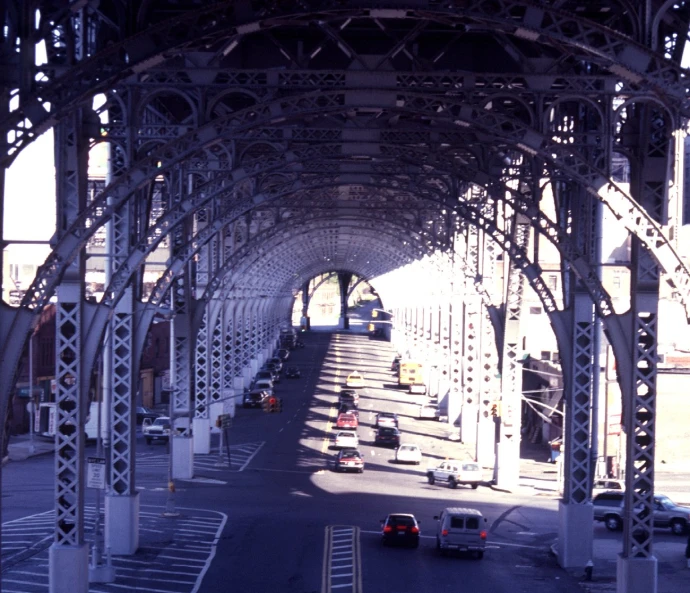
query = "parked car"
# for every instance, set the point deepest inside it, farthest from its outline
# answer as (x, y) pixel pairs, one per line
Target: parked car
(293, 373)
(348, 460)
(144, 412)
(158, 430)
(400, 529)
(254, 398)
(355, 380)
(454, 472)
(408, 454)
(608, 508)
(346, 439)
(264, 384)
(265, 374)
(277, 362)
(387, 437)
(386, 419)
(461, 530)
(282, 353)
(347, 420)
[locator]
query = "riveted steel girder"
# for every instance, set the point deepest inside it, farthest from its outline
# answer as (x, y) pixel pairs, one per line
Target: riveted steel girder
(616, 44)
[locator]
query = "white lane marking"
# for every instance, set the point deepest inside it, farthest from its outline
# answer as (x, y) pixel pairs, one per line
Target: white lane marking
(251, 456)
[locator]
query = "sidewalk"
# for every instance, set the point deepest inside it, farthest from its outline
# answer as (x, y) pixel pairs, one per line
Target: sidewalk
(22, 447)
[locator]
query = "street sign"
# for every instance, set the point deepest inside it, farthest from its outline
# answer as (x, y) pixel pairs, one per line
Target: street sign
(225, 420)
(95, 472)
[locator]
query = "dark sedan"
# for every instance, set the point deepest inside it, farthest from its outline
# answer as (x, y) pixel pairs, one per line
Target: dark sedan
(400, 529)
(387, 437)
(144, 412)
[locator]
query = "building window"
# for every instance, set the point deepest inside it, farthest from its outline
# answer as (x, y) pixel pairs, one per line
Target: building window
(545, 355)
(552, 281)
(535, 310)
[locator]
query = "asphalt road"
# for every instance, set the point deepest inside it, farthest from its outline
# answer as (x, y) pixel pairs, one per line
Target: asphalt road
(279, 519)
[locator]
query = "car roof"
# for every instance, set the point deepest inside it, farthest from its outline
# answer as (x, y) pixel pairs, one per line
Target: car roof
(409, 445)
(462, 511)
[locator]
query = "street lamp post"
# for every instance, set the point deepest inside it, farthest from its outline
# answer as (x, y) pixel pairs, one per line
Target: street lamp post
(32, 405)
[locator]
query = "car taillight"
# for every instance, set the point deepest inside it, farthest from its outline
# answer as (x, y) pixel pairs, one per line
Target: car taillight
(387, 529)
(444, 532)
(482, 534)
(415, 530)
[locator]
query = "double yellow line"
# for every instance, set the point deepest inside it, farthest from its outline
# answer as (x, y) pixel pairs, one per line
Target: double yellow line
(338, 541)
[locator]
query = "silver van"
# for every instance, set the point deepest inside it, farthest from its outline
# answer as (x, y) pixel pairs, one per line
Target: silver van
(461, 530)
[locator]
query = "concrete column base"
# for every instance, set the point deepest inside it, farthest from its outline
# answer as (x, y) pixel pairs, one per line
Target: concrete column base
(508, 471)
(575, 535)
(202, 435)
(182, 458)
(122, 524)
(636, 575)
(468, 425)
(486, 445)
(68, 569)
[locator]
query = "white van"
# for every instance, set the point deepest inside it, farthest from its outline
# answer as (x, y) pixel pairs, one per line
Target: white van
(461, 530)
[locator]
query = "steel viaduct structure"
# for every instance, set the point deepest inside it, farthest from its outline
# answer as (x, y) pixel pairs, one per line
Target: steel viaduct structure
(265, 142)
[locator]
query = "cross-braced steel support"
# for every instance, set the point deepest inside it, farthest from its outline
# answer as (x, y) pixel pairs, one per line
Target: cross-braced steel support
(575, 510)
(122, 499)
(182, 448)
(69, 553)
(508, 452)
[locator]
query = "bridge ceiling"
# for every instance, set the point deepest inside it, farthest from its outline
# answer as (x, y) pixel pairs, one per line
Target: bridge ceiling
(320, 131)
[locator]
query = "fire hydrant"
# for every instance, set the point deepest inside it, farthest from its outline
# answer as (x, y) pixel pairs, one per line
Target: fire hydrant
(589, 567)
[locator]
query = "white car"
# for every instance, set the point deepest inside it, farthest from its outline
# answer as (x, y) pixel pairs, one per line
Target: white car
(408, 454)
(346, 439)
(428, 411)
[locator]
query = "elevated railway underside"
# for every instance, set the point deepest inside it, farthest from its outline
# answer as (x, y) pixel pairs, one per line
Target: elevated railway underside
(436, 150)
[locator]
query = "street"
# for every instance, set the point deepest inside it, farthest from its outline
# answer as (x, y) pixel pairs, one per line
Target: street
(280, 519)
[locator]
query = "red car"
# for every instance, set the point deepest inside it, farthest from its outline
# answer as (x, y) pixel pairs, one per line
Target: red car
(347, 420)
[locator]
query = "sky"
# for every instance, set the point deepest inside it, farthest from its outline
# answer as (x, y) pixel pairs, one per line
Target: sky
(30, 198)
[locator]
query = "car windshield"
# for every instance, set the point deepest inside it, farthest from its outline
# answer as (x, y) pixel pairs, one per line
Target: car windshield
(666, 501)
(470, 467)
(164, 422)
(408, 448)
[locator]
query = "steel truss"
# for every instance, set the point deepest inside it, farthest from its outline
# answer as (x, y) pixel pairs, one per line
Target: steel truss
(270, 159)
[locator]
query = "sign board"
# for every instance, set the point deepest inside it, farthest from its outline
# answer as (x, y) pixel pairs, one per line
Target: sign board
(225, 420)
(95, 472)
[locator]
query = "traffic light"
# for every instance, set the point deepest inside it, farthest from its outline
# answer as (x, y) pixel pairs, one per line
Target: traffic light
(272, 403)
(266, 404)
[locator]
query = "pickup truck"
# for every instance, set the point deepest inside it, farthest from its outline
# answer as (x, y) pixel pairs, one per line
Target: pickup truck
(454, 472)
